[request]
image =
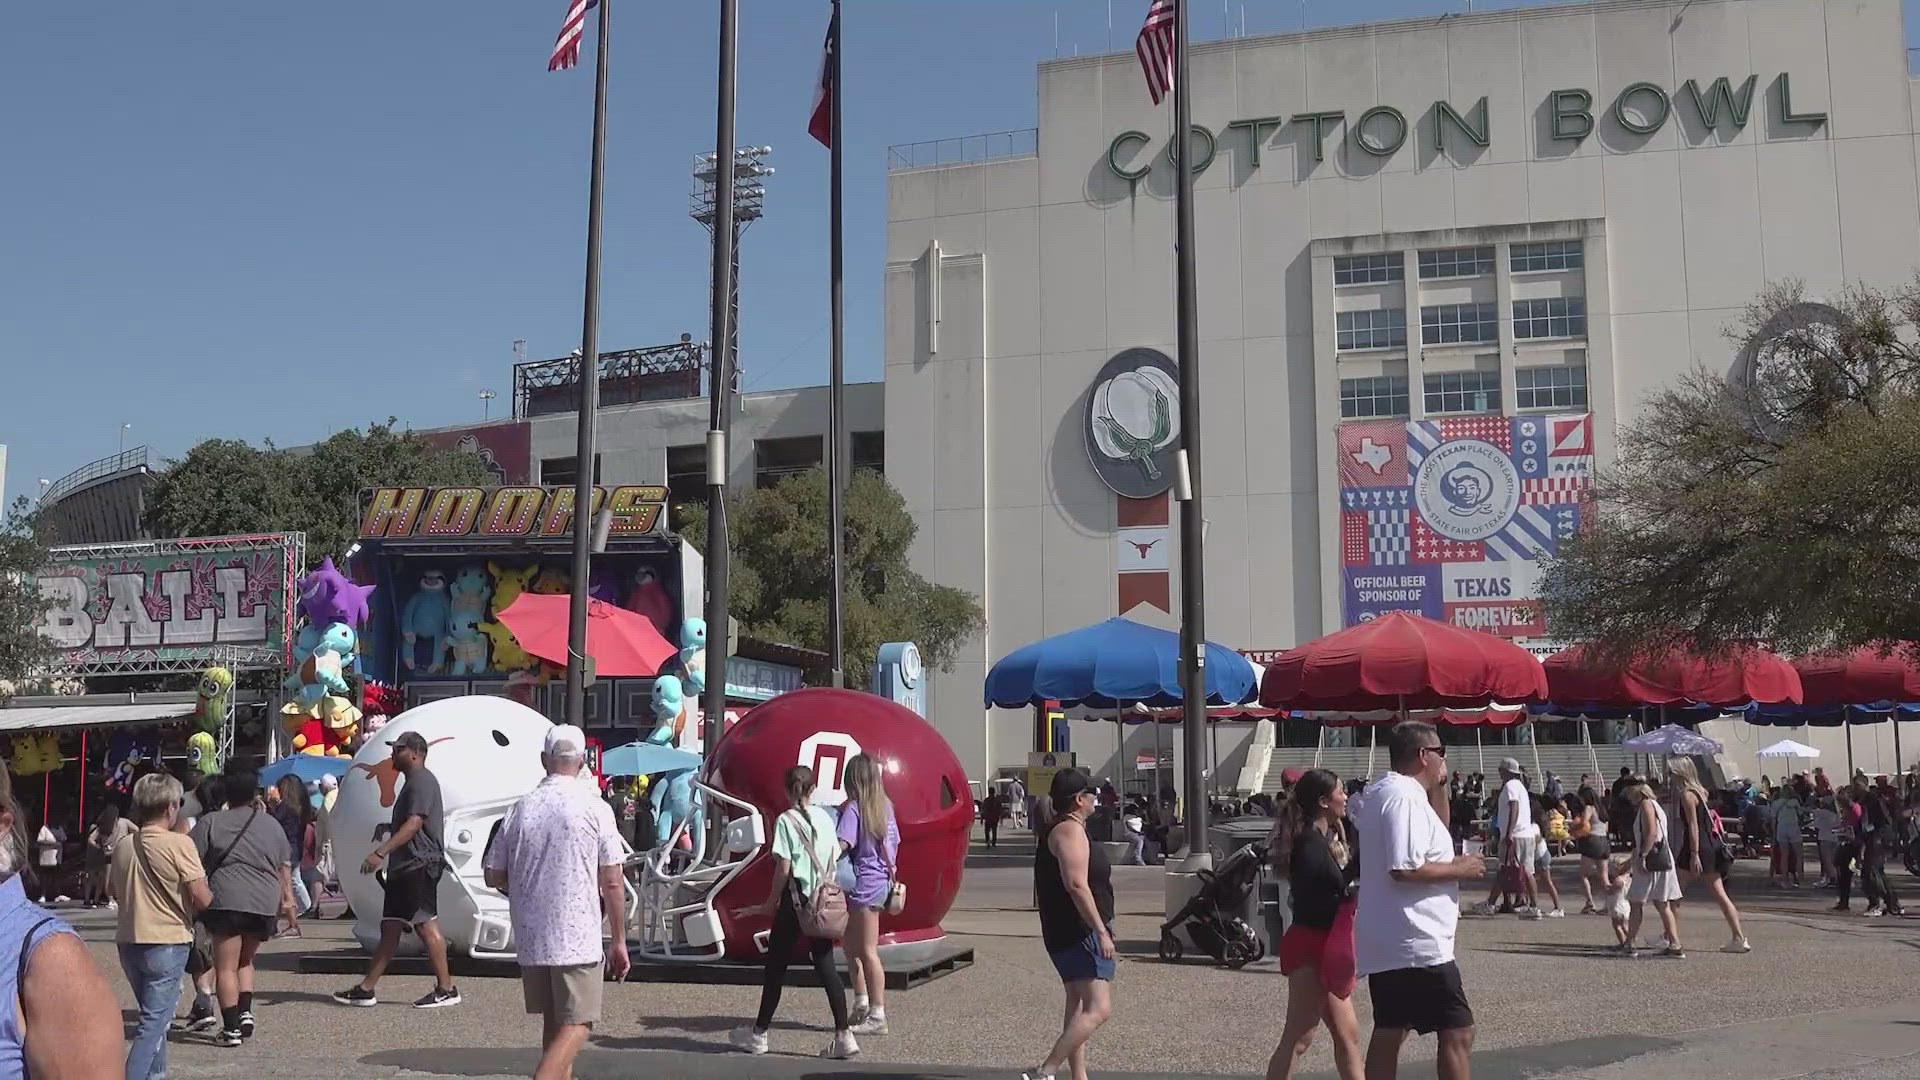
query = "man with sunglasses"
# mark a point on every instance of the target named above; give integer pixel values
(1409, 906)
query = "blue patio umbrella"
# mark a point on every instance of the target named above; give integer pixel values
(307, 768)
(645, 759)
(1113, 663)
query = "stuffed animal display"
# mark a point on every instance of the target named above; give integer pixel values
(215, 684)
(326, 596)
(693, 653)
(467, 600)
(650, 598)
(35, 754)
(202, 754)
(425, 620)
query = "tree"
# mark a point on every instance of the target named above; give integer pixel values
(781, 576)
(1779, 503)
(24, 654)
(225, 486)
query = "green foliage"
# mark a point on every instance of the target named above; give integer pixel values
(225, 486)
(1784, 509)
(23, 652)
(781, 576)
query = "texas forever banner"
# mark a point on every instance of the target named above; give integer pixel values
(1452, 518)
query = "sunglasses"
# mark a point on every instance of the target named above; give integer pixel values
(1440, 750)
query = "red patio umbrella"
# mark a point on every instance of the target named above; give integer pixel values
(623, 644)
(1402, 661)
(1861, 677)
(1737, 678)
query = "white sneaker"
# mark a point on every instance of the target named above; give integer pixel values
(842, 1047)
(1556, 913)
(1873, 911)
(857, 1015)
(1484, 908)
(749, 1041)
(1737, 945)
(871, 1024)
(1532, 913)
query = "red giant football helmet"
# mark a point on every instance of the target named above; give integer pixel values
(823, 728)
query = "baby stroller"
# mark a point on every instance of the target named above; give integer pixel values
(1212, 918)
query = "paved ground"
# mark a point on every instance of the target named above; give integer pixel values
(1822, 995)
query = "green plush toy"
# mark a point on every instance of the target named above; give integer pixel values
(215, 684)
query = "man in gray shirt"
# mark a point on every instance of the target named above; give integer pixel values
(415, 857)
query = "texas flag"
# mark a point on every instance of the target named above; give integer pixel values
(1373, 454)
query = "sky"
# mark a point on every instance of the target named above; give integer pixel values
(248, 220)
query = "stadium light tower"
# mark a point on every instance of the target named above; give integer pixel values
(750, 170)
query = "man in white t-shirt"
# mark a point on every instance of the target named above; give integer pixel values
(1516, 837)
(1410, 904)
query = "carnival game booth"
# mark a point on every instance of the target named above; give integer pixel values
(210, 617)
(445, 562)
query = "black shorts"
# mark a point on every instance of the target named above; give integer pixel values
(412, 895)
(1592, 846)
(224, 923)
(1422, 1000)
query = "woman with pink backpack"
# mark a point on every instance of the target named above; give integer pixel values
(805, 902)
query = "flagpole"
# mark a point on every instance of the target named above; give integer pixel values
(588, 373)
(1187, 466)
(836, 404)
(718, 553)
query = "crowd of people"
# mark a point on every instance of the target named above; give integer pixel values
(199, 879)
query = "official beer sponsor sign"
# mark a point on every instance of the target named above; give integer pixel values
(1133, 422)
(504, 513)
(1452, 518)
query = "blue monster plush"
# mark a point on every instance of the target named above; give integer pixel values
(672, 794)
(428, 615)
(669, 702)
(693, 653)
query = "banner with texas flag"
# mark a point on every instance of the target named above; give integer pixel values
(1451, 518)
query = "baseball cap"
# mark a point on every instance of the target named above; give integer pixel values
(564, 740)
(409, 740)
(1068, 783)
(1510, 765)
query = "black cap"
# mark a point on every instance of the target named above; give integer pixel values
(1067, 783)
(409, 740)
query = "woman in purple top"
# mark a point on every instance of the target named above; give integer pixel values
(871, 839)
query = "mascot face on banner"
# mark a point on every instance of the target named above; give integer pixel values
(485, 751)
(822, 728)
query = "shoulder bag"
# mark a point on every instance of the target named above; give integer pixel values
(823, 913)
(896, 900)
(1659, 857)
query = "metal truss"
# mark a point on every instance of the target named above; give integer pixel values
(659, 373)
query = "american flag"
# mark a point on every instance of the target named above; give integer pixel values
(1155, 46)
(566, 48)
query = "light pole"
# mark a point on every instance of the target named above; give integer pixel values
(486, 404)
(124, 428)
(749, 204)
(726, 198)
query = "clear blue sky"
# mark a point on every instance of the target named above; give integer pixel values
(276, 220)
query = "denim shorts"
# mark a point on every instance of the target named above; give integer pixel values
(1083, 961)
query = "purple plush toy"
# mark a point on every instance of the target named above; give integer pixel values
(604, 585)
(326, 596)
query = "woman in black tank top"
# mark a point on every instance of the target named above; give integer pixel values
(1073, 890)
